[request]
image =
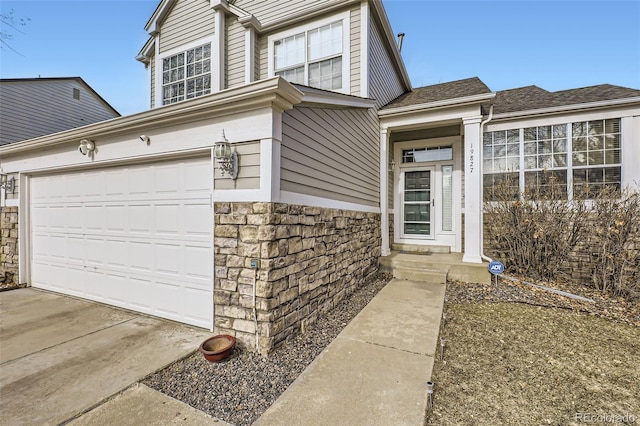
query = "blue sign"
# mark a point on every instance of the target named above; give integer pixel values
(496, 267)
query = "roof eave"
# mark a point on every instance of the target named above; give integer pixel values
(322, 97)
(275, 92)
(567, 108)
(445, 103)
(391, 42)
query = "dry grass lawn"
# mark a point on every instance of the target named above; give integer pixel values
(516, 364)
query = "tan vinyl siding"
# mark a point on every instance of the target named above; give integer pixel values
(248, 168)
(263, 57)
(32, 108)
(384, 83)
(234, 53)
(331, 153)
(355, 50)
(188, 21)
(273, 10)
(153, 81)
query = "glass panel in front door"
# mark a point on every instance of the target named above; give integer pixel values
(417, 202)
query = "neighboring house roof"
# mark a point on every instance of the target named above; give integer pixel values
(32, 107)
(439, 92)
(533, 97)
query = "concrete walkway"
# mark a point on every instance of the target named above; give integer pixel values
(375, 371)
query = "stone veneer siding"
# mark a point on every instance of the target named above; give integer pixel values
(8, 245)
(310, 258)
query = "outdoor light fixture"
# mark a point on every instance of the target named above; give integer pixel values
(86, 147)
(9, 184)
(226, 158)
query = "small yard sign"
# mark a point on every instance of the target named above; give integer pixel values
(496, 267)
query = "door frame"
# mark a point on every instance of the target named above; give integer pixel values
(453, 237)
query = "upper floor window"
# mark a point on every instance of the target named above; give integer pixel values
(186, 75)
(314, 55)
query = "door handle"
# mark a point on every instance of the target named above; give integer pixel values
(433, 202)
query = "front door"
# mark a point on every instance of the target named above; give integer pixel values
(417, 203)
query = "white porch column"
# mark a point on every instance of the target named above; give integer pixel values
(384, 193)
(472, 190)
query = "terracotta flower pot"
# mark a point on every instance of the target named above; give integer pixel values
(217, 348)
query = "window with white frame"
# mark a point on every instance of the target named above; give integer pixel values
(315, 55)
(186, 75)
(579, 158)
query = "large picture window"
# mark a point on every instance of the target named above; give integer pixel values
(186, 75)
(572, 159)
(315, 55)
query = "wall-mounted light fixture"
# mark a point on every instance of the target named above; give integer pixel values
(225, 156)
(86, 147)
(392, 165)
(8, 183)
(146, 139)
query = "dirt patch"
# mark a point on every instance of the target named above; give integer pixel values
(545, 359)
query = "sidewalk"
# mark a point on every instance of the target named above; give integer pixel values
(375, 371)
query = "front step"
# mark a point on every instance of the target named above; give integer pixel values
(420, 275)
(418, 248)
(433, 268)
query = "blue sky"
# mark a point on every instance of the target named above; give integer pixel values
(553, 44)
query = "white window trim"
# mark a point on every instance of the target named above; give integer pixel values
(346, 45)
(183, 48)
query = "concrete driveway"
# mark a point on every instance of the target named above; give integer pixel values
(60, 356)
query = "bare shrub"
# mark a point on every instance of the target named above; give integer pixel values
(614, 242)
(540, 234)
(535, 232)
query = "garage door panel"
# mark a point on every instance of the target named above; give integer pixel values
(138, 237)
(168, 220)
(196, 262)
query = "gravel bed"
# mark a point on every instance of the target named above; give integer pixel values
(239, 389)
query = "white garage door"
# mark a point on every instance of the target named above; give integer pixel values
(137, 237)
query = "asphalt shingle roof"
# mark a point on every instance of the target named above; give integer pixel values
(512, 100)
(533, 97)
(439, 92)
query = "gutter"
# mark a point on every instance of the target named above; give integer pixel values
(567, 108)
(445, 103)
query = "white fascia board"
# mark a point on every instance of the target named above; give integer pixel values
(275, 92)
(567, 108)
(323, 97)
(147, 51)
(153, 25)
(446, 103)
(391, 41)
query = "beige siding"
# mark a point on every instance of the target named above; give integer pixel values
(331, 154)
(355, 50)
(384, 83)
(248, 168)
(153, 81)
(32, 108)
(273, 10)
(234, 53)
(188, 21)
(263, 57)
